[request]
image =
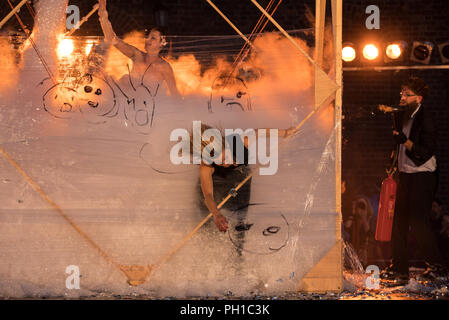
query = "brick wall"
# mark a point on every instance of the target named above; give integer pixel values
(369, 143)
(368, 136)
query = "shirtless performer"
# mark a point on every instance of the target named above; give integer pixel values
(143, 62)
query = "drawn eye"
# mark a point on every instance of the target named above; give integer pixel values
(240, 94)
(88, 89)
(271, 230)
(243, 227)
(98, 92)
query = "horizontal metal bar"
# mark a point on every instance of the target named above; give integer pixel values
(441, 67)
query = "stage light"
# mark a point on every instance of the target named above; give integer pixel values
(348, 53)
(393, 51)
(65, 48)
(370, 52)
(421, 52)
(444, 52)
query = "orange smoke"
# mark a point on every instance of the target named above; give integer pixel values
(285, 68)
(9, 70)
(188, 75)
(187, 72)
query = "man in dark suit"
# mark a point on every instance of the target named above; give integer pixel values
(417, 179)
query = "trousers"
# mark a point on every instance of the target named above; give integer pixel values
(414, 197)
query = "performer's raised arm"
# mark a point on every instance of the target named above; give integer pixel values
(110, 36)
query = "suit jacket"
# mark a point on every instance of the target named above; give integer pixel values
(423, 134)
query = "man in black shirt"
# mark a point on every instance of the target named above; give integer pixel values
(417, 179)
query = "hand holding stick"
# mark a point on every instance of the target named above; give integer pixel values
(221, 222)
(102, 7)
(106, 26)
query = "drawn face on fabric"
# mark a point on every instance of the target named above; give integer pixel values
(61, 102)
(96, 98)
(261, 230)
(140, 110)
(229, 94)
(141, 107)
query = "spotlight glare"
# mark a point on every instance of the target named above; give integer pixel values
(393, 51)
(348, 54)
(370, 52)
(65, 48)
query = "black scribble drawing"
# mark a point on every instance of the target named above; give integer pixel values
(92, 97)
(257, 235)
(230, 94)
(140, 103)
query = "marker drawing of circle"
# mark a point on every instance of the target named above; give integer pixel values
(157, 157)
(60, 101)
(261, 232)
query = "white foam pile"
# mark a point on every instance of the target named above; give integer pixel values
(107, 170)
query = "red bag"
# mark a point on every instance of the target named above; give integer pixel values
(385, 213)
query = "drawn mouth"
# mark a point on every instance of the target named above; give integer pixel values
(67, 107)
(231, 104)
(92, 104)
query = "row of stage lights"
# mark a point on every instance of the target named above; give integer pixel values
(396, 51)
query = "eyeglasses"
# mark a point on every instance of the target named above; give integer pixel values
(406, 94)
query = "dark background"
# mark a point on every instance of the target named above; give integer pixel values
(367, 141)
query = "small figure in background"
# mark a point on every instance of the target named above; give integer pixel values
(359, 226)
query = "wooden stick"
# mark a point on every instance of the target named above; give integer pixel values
(55, 206)
(82, 21)
(13, 11)
(283, 31)
(244, 51)
(230, 23)
(250, 36)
